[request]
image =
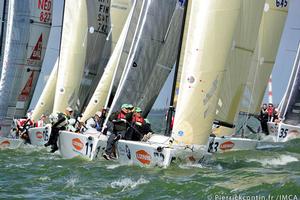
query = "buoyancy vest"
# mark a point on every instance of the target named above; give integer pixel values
(23, 122)
(121, 115)
(138, 120)
(118, 124)
(62, 121)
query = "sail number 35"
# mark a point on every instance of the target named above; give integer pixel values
(283, 132)
(281, 3)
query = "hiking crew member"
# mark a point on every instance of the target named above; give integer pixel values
(22, 129)
(263, 117)
(95, 122)
(59, 125)
(135, 131)
(270, 110)
(118, 125)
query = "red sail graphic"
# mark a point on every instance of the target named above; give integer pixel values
(27, 88)
(37, 51)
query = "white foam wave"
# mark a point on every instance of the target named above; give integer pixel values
(113, 166)
(44, 178)
(128, 183)
(281, 160)
(71, 182)
(190, 165)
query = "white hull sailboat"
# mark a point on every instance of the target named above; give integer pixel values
(189, 137)
(289, 127)
(138, 10)
(263, 59)
(27, 31)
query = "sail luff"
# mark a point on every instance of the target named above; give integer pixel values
(203, 68)
(45, 102)
(17, 36)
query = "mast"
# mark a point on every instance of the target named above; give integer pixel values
(2, 28)
(171, 109)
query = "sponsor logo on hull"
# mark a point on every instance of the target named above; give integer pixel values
(227, 145)
(5, 143)
(39, 135)
(143, 157)
(77, 144)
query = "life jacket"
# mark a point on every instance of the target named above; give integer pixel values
(22, 122)
(120, 125)
(64, 122)
(139, 120)
(270, 111)
(121, 115)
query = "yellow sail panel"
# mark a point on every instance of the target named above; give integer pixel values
(45, 102)
(72, 55)
(210, 32)
(119, 12)
(99, 97)
(263, 61)
(239, 61)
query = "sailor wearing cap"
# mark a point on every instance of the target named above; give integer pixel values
(118, 125)
(59, 124)
(95, 122)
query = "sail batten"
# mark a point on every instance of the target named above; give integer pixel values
(238, 63)
(270, 32)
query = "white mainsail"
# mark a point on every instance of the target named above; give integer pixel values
(239, 61)
(27, 31)
(50, 60)
(290, 106)
(144, 52)
(99, 97)
(40, 20)
(85, 28)
(45, 102)
(203, 68)
(271, 28)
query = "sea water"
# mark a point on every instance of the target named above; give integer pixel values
(33, 173)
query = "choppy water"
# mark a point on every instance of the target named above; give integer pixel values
(33, 173)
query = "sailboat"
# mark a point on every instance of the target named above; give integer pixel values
(149, 43)
(202, 47)
(27, 30)
(263, 59)
(46, 101)
(289, 126)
